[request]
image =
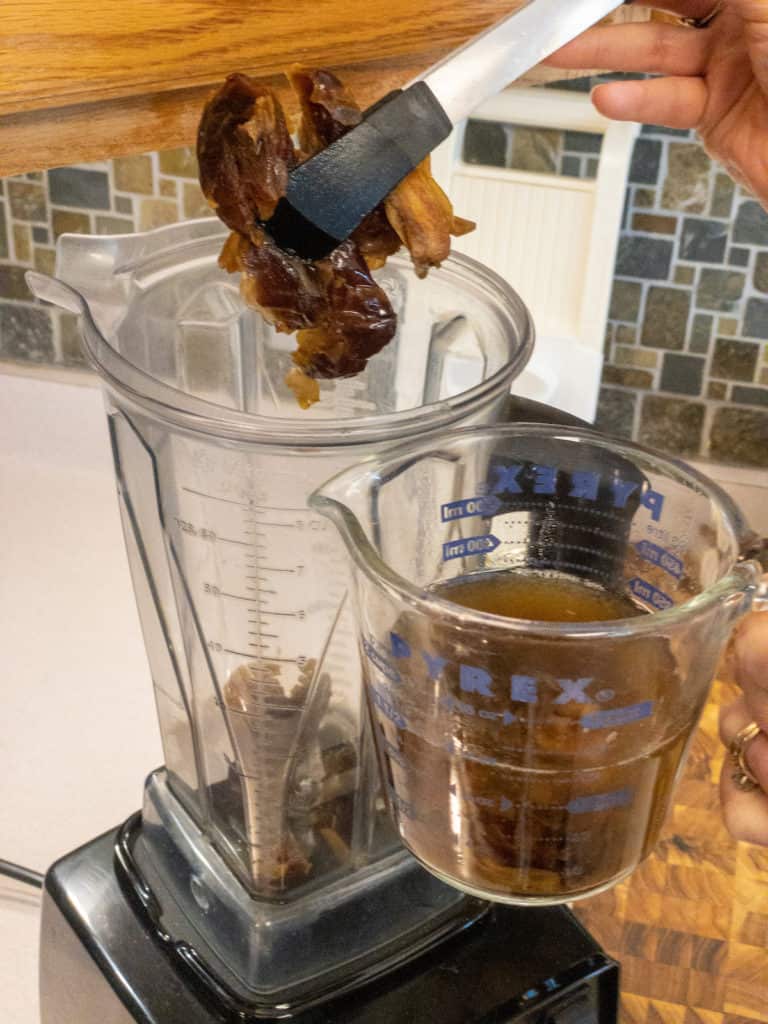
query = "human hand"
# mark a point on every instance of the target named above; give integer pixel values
(746, 811)
(714, 80)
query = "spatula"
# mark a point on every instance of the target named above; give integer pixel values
(329, 194)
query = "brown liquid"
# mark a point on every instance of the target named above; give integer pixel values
(538, 598)
(544, 770)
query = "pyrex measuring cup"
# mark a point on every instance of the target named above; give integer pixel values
(533, 761)
(241, 587)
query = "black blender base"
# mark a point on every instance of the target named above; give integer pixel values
(101, 963)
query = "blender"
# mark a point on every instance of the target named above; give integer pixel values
(262, 878)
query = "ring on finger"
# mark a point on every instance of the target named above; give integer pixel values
(737, 749)
(707, 20)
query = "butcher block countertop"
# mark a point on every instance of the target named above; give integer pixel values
(690, 927)
(84, 80)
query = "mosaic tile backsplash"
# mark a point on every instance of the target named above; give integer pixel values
(686, 348)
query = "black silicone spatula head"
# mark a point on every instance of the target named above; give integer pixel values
(328, 195)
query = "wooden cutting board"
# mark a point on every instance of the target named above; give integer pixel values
(82, 80)
(690, 927)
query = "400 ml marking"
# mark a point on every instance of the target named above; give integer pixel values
(650, 594)
(483, 505)
(481, 545)
(656, 555)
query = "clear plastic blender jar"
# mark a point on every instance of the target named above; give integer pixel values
(267, 833)
(533, 761)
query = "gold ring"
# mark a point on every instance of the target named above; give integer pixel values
(707, 20)
(742, 776)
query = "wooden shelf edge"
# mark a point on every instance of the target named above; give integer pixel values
(140, 124)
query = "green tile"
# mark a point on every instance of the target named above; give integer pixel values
(22, 243)
(536, 149)
(194, 202)
(616, 412)
(123, 204)
(666, 318)
(749, 396)
(485, 143)
(734, 360)
(751, 227)
(646, 256)
(701, 333)
(739, 435)
(570, 167)
(738, 257)
(3, 234)
(644, 197)
(114, 226)
(722, 196)
(44, 259)
(760, 278)
(12, 283)
(79, 186)
(625, 334)
(27, 200)
(133, 174)
(682, 374)
(654, 223)
(633, 355)
(719, 289)
(672, 424)
(625, 300)
(727, 327)
(26, 333)
(582, 142)
(646, 160)
(627, 377)
(684, 275)
(756, 319)
(66, 222)
(181, 163)
(686, 186)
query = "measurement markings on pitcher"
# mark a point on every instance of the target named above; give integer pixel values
(249, 654)
(247, 503)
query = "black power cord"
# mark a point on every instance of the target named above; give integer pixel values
(21, 874)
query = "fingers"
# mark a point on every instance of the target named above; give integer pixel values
(745, 814)
(683, 8)
(751, 656)
(672, 102)
(653, 48)
(734, 718)
(753, 11)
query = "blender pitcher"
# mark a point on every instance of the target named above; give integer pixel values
(532, 759)
(266, 832)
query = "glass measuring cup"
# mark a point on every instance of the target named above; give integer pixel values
(534, 761)
(241, 588)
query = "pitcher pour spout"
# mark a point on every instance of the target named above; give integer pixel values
(346, 499)
(52, 290)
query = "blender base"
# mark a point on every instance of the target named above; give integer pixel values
(101, 963)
